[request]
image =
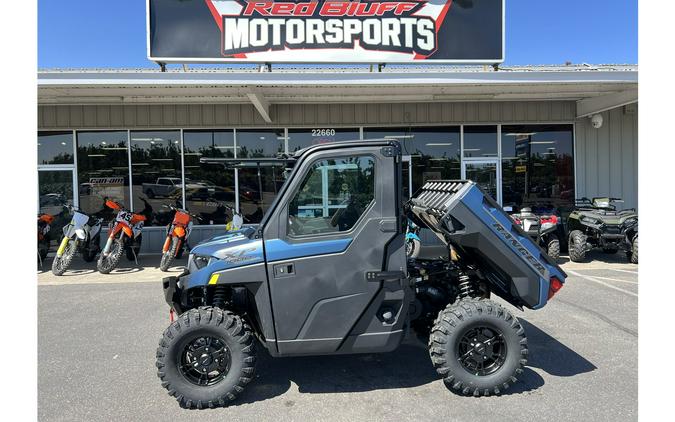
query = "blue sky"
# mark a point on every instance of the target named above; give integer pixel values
(79, 33)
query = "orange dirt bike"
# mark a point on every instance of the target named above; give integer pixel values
(124, 235)
(176, 236)
(44, 225)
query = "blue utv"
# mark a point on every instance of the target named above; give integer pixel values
(326, 272)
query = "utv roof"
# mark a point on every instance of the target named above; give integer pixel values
(345, 144)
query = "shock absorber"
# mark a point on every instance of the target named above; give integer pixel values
(466, 287)
(219, 296)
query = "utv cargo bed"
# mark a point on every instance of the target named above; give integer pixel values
(465, 217)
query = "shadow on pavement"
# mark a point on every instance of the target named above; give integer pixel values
(551, 356)
(408, 366)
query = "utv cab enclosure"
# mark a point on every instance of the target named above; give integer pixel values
(326, 272)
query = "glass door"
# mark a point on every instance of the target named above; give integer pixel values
(486, 174)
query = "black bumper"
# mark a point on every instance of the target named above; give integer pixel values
(173, 293)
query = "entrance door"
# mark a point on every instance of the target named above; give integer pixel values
(486, 174)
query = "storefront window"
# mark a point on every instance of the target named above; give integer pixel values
(480, 142)
(210, 191)
(55, 148)
(102, 170)
(303, 138)
(259, 183)
(434, 151)
(156, 174)
(538, 167)
(55, 189)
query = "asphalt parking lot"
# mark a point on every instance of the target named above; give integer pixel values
(97, 336)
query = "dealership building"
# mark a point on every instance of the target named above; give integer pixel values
(536, 136)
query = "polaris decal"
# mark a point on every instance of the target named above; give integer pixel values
(376, 31)
(520, 248)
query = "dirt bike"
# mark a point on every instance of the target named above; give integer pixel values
(124, 235)
(44, 225)
(83, 233)
(176, 236)
(413, 243)
(546, 229)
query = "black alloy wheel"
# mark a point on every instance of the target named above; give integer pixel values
(205, 360)
(481, 350)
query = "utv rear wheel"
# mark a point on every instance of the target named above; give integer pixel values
(107, 263)
(553, 247)
(478, 347)
(206, 357)
(577, 246)
(633, 255)
(168, 256)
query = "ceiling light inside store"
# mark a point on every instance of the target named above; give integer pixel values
(114, 148)
(224, 147)
(471, 149)
(399, 136)
(521, 134)
(542, 142)
(439, 144)
(96, 155)
(63, 143)
(140, 164)
(102, 143)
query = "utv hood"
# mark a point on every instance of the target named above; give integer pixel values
(229, 251)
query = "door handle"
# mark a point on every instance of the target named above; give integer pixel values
(284, 270)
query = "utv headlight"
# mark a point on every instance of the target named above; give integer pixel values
(201, 261)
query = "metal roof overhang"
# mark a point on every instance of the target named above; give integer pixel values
(593, 90)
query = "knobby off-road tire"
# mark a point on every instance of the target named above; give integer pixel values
(168, 256)
(553, 247)
(61, 263)
(448, 340)
(180, 338)
(105, 264)
(633, 255)
(577, 246)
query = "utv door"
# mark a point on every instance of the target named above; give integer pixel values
(335, 252)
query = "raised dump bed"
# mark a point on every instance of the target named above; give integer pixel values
(463, 216)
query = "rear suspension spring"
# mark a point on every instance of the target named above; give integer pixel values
(466, 287)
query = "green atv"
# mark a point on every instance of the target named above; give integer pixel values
(597, 224)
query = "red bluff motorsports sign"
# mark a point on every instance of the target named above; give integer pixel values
(358, 31)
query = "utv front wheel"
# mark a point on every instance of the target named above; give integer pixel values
(206, 357)
(577, 246)
(478, 347)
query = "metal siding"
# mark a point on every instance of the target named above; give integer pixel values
(133, 116)
(606, 158)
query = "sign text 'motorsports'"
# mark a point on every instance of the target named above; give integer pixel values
(357, 31)
(391, 26)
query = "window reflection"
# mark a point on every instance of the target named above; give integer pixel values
(55, 148)
(434, 151)
(102, 170)
(480, 142)
(259, 183)
(55, 189)
(210, 187)
(156, 175)
(538, 167)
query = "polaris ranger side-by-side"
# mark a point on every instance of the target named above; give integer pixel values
(326, 272)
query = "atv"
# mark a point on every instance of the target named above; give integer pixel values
(546, 229)
(596, 223)
(326, 272)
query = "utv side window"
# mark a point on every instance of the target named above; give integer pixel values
(333, 196)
